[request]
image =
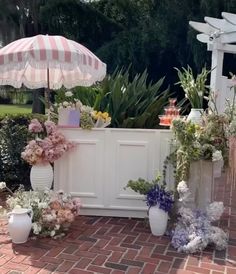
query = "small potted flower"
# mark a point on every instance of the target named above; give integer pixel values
(159, 201)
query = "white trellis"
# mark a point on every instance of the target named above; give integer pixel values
(220, 36)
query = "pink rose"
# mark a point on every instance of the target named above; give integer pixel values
(35, 126)
(50, 127)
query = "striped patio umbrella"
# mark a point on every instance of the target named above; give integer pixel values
(45, 61)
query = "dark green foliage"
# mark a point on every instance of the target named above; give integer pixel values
(132, 103)
(13, 138)
(78, 21)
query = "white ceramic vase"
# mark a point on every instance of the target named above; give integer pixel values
(195, 115)
(20, 224)
(41, 176)
(158, 220)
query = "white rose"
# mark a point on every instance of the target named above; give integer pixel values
(182, 187)
(57, 227)
(2, 185)
(217, 156)
(69, 94)
(65, 104)
(42, 205)
(52, 233)
(36, 228)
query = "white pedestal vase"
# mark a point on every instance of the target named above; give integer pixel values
(158, 220)
(20, 224)
(195, 115)
(41, 176)
(201, 183)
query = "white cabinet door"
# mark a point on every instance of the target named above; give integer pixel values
(80, 172)
(132, 157)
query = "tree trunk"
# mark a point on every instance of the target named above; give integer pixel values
(38, 106)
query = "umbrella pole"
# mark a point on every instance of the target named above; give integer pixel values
(46, 95)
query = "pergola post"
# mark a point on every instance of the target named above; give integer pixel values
(216, 69)
(219, 35)
(217, 58)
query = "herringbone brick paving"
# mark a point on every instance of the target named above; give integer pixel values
(119, 245)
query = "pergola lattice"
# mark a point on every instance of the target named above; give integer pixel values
(220, 36)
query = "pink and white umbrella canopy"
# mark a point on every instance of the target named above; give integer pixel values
(49, 61)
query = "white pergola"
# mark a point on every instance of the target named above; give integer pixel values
(220, 36)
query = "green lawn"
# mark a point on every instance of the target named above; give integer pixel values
(15, 109)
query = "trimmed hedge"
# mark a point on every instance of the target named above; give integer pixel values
(13, 138)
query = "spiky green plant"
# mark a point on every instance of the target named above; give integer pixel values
(132, 103)
(195, 88)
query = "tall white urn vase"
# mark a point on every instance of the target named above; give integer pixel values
(41, 176)
(158, 220)
(195, 115)
(20, 224)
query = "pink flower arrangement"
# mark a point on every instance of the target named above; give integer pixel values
(59, 214)
(47, 149)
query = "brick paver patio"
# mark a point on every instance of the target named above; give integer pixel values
(118, 245)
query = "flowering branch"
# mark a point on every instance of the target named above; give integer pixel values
(4, 186)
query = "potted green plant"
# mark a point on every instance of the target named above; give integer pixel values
(195, 90)
(159, 201)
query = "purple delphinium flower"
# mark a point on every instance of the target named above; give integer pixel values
(159, 196)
